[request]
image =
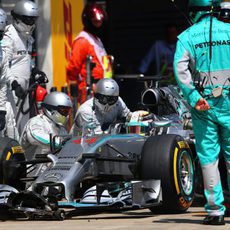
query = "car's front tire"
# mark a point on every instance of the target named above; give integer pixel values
(11, 153)
(169, 158)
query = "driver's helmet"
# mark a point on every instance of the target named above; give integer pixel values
(94, 18)
(57, 106)
(24, 16)
(199, 8)
(3, 22)
(138, 127)
(225, 11)
(106, 94)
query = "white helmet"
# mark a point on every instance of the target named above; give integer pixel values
(57, 106)
(106, 94)
(25, 14)
(3, 22)
(225, 11)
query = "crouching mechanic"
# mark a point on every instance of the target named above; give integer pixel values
(203, 72)
(97, 114)
(35, 138)
(105, 108)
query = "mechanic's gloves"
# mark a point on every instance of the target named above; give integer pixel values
(137, 115)
(38, 76)
(2, 119)
(19, 91)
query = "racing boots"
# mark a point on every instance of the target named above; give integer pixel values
(214, 220)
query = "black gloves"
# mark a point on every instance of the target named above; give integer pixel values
(2, 119)
(19, 91)
(38, 76)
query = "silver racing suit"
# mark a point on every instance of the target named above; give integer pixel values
(90, 117)
(10, 129)
(35, 138)
(18, 49)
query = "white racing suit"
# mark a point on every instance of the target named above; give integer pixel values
(90, 117)
(18, 49)
(35, 139)
(10, 129)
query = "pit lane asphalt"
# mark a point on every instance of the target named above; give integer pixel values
(135, 220)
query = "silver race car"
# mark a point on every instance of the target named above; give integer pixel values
(144, 164)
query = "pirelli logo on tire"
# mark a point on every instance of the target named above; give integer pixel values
(14, 150)
(17, 149)
(182, 162)
(183, 144)
(184, 203)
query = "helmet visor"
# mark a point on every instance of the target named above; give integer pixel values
(64, 110)
(28, 20)
(104, 99)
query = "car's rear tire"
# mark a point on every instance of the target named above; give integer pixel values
(169, 158)
(11, 153)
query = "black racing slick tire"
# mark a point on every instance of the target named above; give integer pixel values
(11, 153)
(169, 158)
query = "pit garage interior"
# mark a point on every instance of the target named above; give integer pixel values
(133, 26)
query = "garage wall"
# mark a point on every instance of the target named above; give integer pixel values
(133, 27)
(135, 24)
(43, 41)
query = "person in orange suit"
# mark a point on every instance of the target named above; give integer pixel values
(88, 42)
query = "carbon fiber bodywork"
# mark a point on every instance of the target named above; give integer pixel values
(111, 162)
(111, 157)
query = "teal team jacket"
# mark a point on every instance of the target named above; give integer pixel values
(192, 58)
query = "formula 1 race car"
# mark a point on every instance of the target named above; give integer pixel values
(148, 163)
